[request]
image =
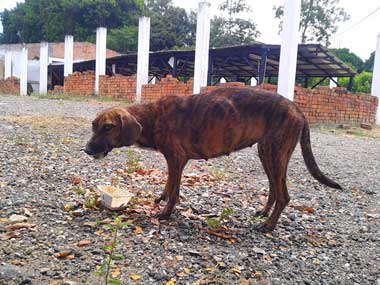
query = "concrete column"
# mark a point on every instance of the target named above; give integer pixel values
(253, 81)
(222, 80)
(24, 72)
(101, 53)
(332, 83)
(289, 49)
(8, 64)
(44, 62)
(142, 56)
(375, 90)
(69, 55)
(202, 47)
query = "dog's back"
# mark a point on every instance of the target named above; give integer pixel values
(225, 120)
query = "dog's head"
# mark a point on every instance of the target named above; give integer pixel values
(112, 128)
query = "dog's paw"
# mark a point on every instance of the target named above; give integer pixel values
(264, 227)
(163, 216)
(261, 213)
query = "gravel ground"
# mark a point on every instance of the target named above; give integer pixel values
(324, 236)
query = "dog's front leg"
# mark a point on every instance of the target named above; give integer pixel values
(176, 165)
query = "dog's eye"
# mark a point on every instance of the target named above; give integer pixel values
(108, 127)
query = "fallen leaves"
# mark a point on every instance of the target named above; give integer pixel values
(134, 277)
(16, 226)
(138, 230)
(84, 242)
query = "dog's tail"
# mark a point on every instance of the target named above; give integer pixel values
(310, 160)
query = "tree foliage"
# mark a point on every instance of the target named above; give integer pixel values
(319, 19)
(229, 29)
(368, 64)
(171, 27)
(354, 61)
(49, 20)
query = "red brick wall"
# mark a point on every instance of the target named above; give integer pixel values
(81, 84)
(118, 86)
(11, 85)
(325, 105)
(165, 87)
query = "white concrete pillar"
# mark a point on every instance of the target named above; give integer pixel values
(142, 56)
(222, 80)
(332, 83)
(44, 62)
(289, 49)
(69, 55)
(101, 53)
(8, 64)
(375, 90)
(253, 81)
(202, 46)
(24, 72)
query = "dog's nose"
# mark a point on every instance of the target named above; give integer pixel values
(89, 150)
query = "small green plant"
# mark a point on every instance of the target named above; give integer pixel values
(216, 223)
(105, 269)
(133, 161)
(78, 190)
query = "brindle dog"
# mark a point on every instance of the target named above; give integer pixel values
(210, 125)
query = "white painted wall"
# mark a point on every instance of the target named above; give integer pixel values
(44, 62)
(69, 55)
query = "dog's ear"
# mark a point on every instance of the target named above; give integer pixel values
(130, 130)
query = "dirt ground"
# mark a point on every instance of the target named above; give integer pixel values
(53, 231)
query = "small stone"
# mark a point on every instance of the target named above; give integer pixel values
(17, 218)
(78, 213)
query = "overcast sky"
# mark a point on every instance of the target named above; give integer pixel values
(360, 39)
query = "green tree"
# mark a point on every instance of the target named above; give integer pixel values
(362, 82)
(354, 61)
(319, 19)
(368, 64)
(229, 29)
(171, 27)
(50, 20)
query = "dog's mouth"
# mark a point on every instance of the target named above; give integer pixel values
(100, 155)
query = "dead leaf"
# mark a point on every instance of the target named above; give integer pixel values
(179, 257)
(138, 230)
(116, 273)
(62, 254)
(186, 270)
(84, 242)
(27, 212)
(134, 277)
(155, 221)
(54, 282)
(244, 281)
(76, 180)
(10, 235)
(219, 233)
(258, 275)
(17, 226)
(171, 282)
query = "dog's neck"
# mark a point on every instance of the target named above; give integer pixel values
(145, 115)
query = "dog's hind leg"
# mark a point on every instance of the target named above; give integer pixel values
(176, 165)
(277, 156)
(272, 194)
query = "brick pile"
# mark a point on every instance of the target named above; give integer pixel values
(81, 84)
(11, 85)
(165, 87)
(118, 86)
